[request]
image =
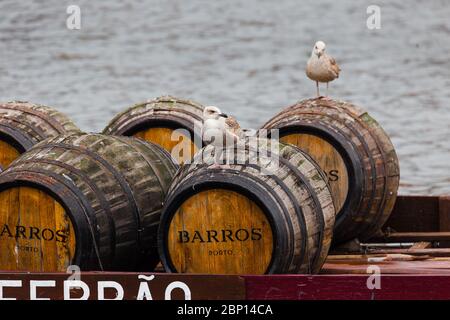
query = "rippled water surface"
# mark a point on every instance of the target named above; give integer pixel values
(247, 57)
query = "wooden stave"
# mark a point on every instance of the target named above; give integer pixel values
(203, 179)
(349, 120)
(91, 203)
(25, 124)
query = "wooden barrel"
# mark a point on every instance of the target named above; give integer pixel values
(355, 153)
(23, 124)
(84, 199)
(157, 120)
(271, 216)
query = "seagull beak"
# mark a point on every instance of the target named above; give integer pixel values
(319, 54)
(224, 115)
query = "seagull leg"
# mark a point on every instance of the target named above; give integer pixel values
(327, 89)
(317, 85)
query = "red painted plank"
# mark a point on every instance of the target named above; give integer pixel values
(425, 267)
(343, 287)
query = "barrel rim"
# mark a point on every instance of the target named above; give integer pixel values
(15, 138)
(115, 124)
(27, 107)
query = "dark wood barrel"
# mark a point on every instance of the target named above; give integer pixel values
(23, 124)
(84, 199)
(157, 120)
(355, 153)
(271, 216)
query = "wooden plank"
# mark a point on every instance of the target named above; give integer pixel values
(444, 213)
(421, 245)
(423, 267)
(433, 252)
(444, 218)
(375, 257)
(414, 214)
(413, 237)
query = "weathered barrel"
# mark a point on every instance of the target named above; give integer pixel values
(84, 199)
(23, 124)
(355, 153)
(275, 215)
(157, 120)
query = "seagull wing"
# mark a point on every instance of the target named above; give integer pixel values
(234, 128)
(232, 124)
(334, 66)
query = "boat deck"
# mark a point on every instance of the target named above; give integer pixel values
(410, 259)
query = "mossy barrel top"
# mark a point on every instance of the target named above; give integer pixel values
(85, 199)
(23, 124)
(170, 122)
(274, 215)
(355, 153)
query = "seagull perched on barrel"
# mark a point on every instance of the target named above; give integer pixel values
(321, 67)
(219, 128)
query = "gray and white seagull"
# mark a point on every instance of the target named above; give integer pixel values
(321, 67)
(219, 128)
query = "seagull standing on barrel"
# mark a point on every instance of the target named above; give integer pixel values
(220, 127)
(321, 67)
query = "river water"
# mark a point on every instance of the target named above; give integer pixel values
(247, 57)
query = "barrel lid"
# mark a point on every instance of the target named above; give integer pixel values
(220, 231)
(35, 231)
